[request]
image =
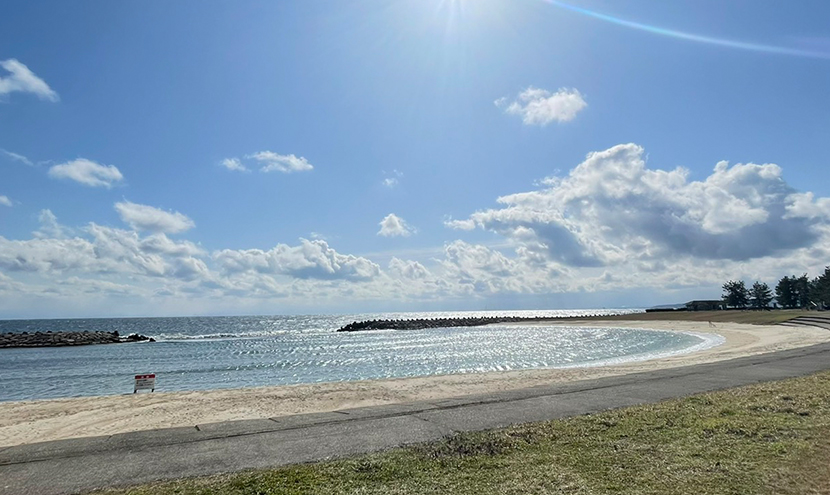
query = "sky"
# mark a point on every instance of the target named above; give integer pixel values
(207, 157)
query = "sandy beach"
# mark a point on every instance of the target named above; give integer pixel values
(43, 420)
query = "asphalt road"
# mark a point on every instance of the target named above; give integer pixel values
(81, 465)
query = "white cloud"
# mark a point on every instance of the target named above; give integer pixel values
(22, 79)
(148, 218)
(5, 201)
(309, 260)
(94, 286)
(234, 164)
(104, 251)
(161, 244)
(271, 161)
(87, 172)
(393, 180)
(609, 225)
(50, 227)
(541, 107)
(393, 225)
(46, 255)
(612, 209)
(17, 157)
(408, 269)
(803, 206)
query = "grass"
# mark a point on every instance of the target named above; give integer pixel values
(772, 438)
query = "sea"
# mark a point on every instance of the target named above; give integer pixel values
(204, 353)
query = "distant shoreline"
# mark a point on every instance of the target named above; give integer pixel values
(754, 317)
(424, 323)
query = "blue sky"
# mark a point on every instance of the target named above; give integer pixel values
(335, 156)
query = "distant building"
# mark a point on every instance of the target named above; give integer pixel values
(705, 305)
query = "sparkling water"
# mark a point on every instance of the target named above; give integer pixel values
(200, 353)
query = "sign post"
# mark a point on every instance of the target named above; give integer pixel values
(144, 382)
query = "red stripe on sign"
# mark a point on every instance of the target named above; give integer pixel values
(139, 377)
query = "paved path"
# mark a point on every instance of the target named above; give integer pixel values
(71, 466)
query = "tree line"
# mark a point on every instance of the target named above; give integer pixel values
(790, 292)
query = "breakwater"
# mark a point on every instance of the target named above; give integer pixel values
(60, 339)
(422, 323)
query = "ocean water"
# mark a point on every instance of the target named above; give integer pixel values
(201, 353)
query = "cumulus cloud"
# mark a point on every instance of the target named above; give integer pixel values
(611, 223)
(541, 107)
(103, 251)
(310, 260)
(271, 162)
(473, 269)
(102, 260)
(234, 164)
(45, 255)
(408, 269)
(23, 80)
(148, 218)
(393, 226)
(161, 244)
(612, 209)
(5, 201)
(50, 227)
(87, 172)
(803, 205)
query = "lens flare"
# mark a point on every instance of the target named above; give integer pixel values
(740, 45)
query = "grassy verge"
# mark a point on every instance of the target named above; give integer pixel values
(772, 438)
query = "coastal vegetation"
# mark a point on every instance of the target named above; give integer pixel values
(768, 438)
(791, 292)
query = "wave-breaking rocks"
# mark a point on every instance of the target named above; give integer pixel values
(422, 323)
(60, 339)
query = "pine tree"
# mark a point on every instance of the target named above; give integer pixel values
(735, 294)
(801, 291)
(784, 292)
(820, 289)
(760, 295)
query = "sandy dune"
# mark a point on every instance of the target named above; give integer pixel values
(37, 421)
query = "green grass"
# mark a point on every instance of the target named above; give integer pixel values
(765, 439)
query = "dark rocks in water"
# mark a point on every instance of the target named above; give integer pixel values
(422, 323)
(59, 339)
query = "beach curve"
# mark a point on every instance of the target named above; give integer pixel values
(56, 419)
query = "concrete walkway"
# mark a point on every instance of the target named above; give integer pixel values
(71, 466)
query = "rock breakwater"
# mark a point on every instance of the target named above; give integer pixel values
(60, 339)
(422, 323)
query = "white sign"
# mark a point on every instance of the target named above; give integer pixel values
(144, 382)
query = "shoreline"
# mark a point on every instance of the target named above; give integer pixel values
(56, 419)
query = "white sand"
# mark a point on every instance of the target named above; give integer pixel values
(42, 420)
